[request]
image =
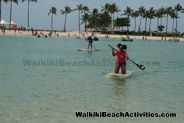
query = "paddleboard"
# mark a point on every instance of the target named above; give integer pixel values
(112, 74)
(86, 50)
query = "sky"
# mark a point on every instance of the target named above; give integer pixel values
(39, 18)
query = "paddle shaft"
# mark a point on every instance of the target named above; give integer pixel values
(139, 66)
(115, 49)
(95, 48)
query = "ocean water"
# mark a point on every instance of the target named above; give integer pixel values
(46, 80)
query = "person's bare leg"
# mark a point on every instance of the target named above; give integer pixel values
(116, 68)
(91, 46)
(123, 68)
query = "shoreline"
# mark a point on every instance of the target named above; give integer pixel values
(76, 34)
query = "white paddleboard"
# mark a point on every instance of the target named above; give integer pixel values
(86, 50)
(112, 74)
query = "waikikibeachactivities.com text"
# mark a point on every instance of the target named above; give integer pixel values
(84, 62)
(124, 114)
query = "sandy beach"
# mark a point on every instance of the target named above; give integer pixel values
(76, 33)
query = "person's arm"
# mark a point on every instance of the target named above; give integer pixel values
(113, 53)
(127, 57)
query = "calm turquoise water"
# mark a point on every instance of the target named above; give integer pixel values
(68, 81)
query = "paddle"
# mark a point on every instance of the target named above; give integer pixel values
(95, 48)
(139, 66)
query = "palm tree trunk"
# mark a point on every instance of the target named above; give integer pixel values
(0, 11)
(128, 26)
(166, 24)
(145, 24)
(135, 25)
(176, 22)
(10, 13)
(85, 25)
(173, 26)
(95, 24)
(28, 14)
(65, 23)
(140, 25)
(52, 22)
(157, 25)
(150, 26)
(161, 21)
(79, 21)
(112, 23)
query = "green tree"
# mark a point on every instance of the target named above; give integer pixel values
(135, 14)
(85, 18)
(80, 8)
(94, 16)
(162, 12)
(173, 17)
(104, 20)
(28, 1)
(105, 9)
(161, 28)
(151, 14)
(141, 13)
(66, 10)
(167, 12)
(110, 9)
(52, 11)
(146, 19)
(158, 16)
(177, 9)
(121, 22)
(128, 11)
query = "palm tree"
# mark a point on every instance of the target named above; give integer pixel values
(66, 10)
(146, 19)
(135, 14)
(151, 14)
(0, 10)
(52, 11)
(28, 1)
(141, 13)
(85, 18)
(106, 8)
(1, 6)
(112, 9)
(173, 16)
(159, 15)
(11, 1)
(128, 12)
(86, 9)
(162, 13)
(168, 11)
(94, 16)
(80, 7)
(177, 9)
(104, 20)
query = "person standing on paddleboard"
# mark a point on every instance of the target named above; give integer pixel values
(122, 56)
(90, 39)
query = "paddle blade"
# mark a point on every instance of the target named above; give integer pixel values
(141, 67)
